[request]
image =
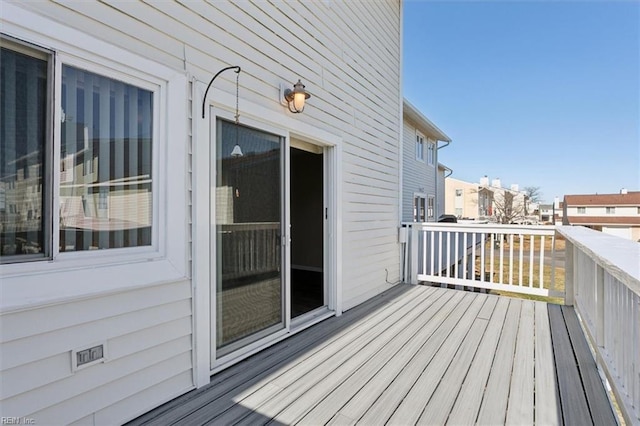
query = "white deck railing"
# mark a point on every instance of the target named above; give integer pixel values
(515, 258)
(601, 278)
(603, 283)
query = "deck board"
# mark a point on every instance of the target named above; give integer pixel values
(575, 409)
(599, 405)
(494, 403)
(547, 404)
(411, 407)
(520, 406)
(416, 355)
(392, 396)
(467, 404)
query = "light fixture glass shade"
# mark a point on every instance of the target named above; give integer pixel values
(298, 101)
(237, 151)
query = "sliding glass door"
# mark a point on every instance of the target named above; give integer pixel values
(248, 221)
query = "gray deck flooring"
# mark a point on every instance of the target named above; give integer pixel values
(415, 355)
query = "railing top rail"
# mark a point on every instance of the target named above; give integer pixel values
(618, 256)
(483, 227)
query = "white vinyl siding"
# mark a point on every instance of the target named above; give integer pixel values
(416, 176)
(148, 341)
(348, 56)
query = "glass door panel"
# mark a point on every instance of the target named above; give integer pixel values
(248, 200)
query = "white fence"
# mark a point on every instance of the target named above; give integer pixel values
(514, 258)
(603, 283)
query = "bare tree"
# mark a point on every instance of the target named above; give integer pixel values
(506, 208)
(534, 193)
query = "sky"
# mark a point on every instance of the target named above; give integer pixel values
(537, 93)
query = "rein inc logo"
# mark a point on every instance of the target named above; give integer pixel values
(5, 420)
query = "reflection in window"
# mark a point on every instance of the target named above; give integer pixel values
(105, 163)
(24, 101)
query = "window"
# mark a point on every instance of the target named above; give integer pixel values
(582, 210)
(431, 153)
(611, 210)
(419, 147)
(458, 192)
(430, 208)
(458, 212)
(107, 124)
(25, 119)
(104, 196)
(419, 208)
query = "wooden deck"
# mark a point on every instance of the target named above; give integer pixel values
(415, 355)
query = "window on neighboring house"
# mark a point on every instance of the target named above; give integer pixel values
(430, 207)
(638, 210)
(431, 153)
(419, 147)
(611, 210)
(105, 158)
(458, 212)
(458, 192)
(582, 210)
(419, 208)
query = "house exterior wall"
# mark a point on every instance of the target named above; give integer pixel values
(145, 311)
(418, 177)
(463, 205)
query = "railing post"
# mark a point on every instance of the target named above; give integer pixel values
(569, 274)
(413, 275)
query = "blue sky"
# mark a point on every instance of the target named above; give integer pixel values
(538, 93)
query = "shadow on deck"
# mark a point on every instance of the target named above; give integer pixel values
(414, 355)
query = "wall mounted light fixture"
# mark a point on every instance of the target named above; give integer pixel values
(295, 98)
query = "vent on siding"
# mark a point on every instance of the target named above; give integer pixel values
(87, 356)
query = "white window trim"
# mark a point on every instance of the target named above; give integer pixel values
(431, 152)
(416, 214)
(78, 275)
(422, 140)
(431, 216)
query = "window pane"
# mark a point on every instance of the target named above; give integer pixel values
(105, 163)
(23, 135)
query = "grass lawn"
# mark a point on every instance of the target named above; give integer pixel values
(526, 273)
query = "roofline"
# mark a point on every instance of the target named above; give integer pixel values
(412, 112)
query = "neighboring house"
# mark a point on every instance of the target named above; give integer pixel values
(420, 167)
(558, 211)
(147, 239)
(545, 213)
(615, 214)
(484, 200)
(462, 199)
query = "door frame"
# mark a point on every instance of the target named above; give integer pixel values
(278, 122)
